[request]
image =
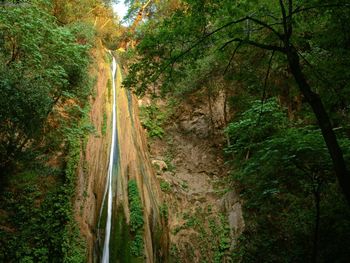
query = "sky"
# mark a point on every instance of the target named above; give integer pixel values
(120, 9)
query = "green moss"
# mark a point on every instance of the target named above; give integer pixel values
(104, 123)
(120, 238)
(160, 241)
(136, 219)
(109, 90)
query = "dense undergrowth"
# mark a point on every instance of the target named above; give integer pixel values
(291, 198)
(38, 209)
(47, 77)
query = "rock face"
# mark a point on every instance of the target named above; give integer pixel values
(200, 206)
(133, 164)
(94, 161)
(231, 206)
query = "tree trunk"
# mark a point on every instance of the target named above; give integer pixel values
(324, 122)
(317, 196)
(225, 106)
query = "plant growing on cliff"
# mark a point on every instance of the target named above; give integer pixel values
(164, 212)
(152, 119)
(44, 218)
(136, 219)
(165, 186)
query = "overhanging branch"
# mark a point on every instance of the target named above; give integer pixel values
(259, 22)
(233, 55)
(255, 44)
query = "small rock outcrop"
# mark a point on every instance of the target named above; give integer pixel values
(159, 165)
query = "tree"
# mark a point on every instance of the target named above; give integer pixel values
(267, 26)
(41, 65)
(285, 176)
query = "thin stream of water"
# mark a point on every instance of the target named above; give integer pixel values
(108, 190)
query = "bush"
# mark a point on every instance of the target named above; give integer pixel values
(152, 119)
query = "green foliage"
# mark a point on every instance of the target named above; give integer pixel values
(41, 65)
(212, 237)
(164, 212)
(280, 166)
(152, 119)
(104, 124)
(191, 222)
(137, 245)
(256, 124)
(43, 215)
(126, 57)
(43, 118)
(222, 231)
(109, 90)
(184, 185)
(136, 219)
(165, 187)
(83, 32)
(279, 161)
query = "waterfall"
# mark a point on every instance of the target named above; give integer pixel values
(108, 190)
(116, 241)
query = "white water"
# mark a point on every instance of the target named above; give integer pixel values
(108, 190)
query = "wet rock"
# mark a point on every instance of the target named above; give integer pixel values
(235, 219)
(230, 204)
(228, 201)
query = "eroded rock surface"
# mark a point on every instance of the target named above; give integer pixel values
(202, 208)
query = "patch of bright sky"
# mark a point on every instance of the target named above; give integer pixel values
(120, 9)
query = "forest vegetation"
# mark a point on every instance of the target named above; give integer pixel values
(282, 66)
(47, 75)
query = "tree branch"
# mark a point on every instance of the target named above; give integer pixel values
(221, 28)
(266, 26)
(290, 7)
(284, 18)
(255, 44)
(299, 9)
(265, 85)
(321, 76)
(289, 18)
(231, 59)
(267, 76)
